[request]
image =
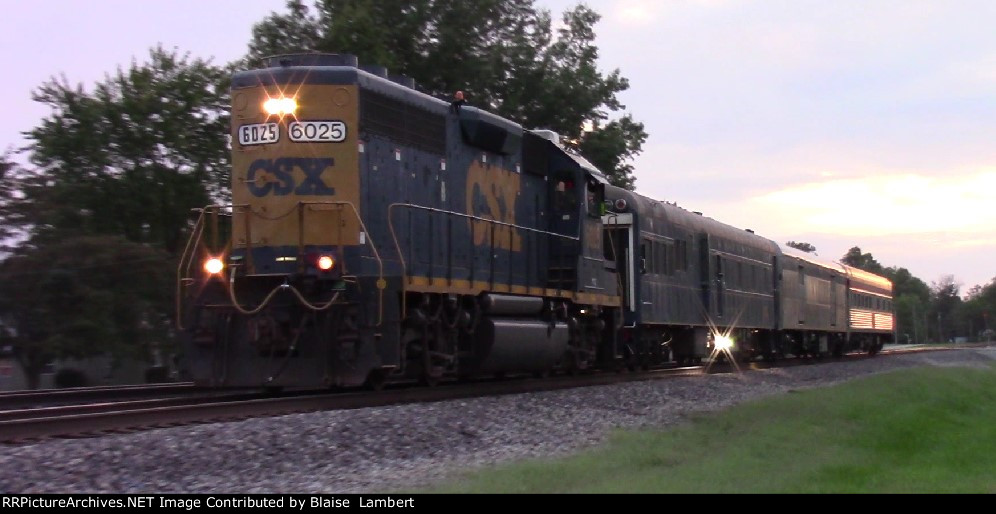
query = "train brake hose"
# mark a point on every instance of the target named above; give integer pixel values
(269, 297)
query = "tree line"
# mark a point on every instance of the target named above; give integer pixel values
(92, 226)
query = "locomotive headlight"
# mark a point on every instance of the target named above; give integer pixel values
(214, 265)
(325, 263)
(722, 342)
(280, 106)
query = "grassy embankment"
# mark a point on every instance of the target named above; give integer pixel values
(912, 431)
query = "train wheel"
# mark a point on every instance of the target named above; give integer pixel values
(576, 361)
(665, 357)
(838, 349)
(618, 365)
(430, 379)
(630, 365)
(431, 374)
(376, 380)
(422, 338)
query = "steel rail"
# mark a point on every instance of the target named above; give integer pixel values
(135, 416)
(17, 399)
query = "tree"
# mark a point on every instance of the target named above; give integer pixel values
(976, 312)
(297, 31)
(945, 301)
(502, 53)
(611, 147)
(911, 317)
(911, 298)
(904, 283)
(106, 207)
(82, 297)
(801, 246)
(864, 261)
(132, 157)
(11, 177)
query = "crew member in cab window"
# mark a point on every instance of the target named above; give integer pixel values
(564, 199)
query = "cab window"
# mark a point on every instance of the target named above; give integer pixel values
(595, 198)
(565, 195)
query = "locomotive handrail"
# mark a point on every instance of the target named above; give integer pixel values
(187, 260)
(478, 218)
(214, 233)
(369, 241)
(187, 257)
(491, 222)
(187, 252)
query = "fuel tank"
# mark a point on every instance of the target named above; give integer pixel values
(509, 344)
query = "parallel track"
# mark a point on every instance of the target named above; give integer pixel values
(75, 395)
(27, 425)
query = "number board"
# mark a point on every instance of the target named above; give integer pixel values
(317, 131)
(259, 134)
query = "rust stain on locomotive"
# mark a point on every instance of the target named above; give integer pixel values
(492, 193)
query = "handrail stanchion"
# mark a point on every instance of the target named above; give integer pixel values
(449, 250)
(214, 229)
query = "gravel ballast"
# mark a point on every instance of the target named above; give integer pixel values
(392, 448)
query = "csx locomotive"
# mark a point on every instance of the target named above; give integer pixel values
(377, 233)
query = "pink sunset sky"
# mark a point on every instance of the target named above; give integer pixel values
(845, 123)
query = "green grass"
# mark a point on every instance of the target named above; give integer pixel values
(913, 431)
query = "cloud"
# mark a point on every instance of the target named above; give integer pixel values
(967, 77)
(648, 12)
(891, 204)
(635, 12)
(839, 123)
(932, 225)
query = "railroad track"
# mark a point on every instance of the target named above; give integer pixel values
(75, 395)
(94, 419)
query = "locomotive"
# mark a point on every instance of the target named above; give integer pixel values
(379, 234)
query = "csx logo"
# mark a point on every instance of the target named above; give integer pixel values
(276, 176)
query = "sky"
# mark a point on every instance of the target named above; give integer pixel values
(867, 123)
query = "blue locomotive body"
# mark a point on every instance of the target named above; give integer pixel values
(377, 233)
